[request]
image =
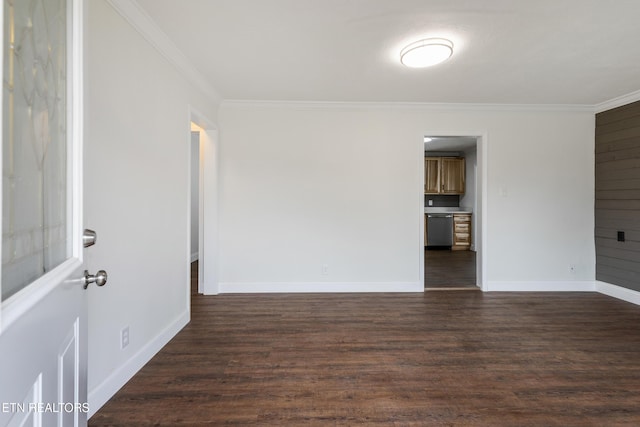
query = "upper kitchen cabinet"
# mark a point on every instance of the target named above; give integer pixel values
(431, 175)
(444, 175)
(452, 175)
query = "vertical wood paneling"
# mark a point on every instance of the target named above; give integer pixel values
(617, 204)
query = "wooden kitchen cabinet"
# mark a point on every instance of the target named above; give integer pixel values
(431, 175)
(452, 175)
(444, 175)
(461, 232)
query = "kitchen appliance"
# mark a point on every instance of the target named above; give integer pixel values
(439, 229)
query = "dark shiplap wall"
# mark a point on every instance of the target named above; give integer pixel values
(617, 206)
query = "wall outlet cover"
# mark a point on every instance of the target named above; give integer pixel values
(124, 338)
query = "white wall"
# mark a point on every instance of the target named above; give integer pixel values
(304, 185)
(468, 200)
(136, 197)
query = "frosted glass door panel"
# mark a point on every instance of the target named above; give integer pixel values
(35, 209)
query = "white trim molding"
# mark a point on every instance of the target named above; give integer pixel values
(411, 106)
(101, 394)
(541, 286)
(140, 20)
(617, 102)
(318, 287)
(618, 292)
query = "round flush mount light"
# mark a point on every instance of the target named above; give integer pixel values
(426, 52)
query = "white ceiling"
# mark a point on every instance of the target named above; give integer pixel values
(506, 51)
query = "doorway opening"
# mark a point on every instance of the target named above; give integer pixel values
(452, 195)
(195, 175)
(202, 206)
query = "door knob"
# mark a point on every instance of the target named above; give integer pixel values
(99, 279)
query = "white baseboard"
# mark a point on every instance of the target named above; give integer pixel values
(105, 391)
(194, 256)
(551, 286)
(318, 287)
(619, 292)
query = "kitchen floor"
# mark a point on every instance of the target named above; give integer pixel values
(446, 269)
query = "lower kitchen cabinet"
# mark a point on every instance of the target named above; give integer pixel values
(461, 232)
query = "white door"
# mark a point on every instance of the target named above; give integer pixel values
(43, 329)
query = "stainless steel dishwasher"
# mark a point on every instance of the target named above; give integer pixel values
(439, 229)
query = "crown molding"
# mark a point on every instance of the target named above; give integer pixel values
(417, 106)
(135, 15)
(617, 102)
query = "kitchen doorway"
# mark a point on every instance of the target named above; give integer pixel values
(452, 195)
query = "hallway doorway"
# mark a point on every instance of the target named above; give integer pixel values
(195, 202)
(202, 221)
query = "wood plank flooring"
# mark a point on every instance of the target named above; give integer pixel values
(449, 269)
(427, 359)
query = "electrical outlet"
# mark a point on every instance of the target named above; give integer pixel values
(124, 338)
(325, 269)
(430, 202)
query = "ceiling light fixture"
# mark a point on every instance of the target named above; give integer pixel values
(426, 52)
(427, 139)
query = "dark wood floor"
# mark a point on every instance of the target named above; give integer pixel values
(424, 359)
(446, 269)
